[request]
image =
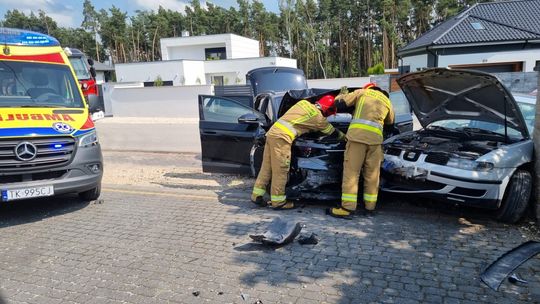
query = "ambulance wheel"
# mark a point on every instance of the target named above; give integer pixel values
(91, 195)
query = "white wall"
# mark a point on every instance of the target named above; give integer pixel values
(336, 83)
(528, 57)
(240, 67)
(192, 47)
(193, 71)
(155, 101)
(148, 71)
(241, 47)
(190, 52)
(417, 61)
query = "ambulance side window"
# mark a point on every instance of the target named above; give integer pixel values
(223, 110)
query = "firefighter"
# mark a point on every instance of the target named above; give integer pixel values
(363, 153)
(301, 118)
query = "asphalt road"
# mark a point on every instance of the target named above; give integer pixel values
(177, 235)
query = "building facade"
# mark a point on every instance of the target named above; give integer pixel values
(212, 59)
(492, 37)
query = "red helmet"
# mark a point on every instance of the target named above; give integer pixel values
(327, 105)
(369, 85)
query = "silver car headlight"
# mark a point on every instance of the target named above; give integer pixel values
(88, 140)
(467, 164)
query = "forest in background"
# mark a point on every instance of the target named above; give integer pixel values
(329, 38)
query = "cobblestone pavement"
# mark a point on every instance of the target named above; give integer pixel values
(147, 244)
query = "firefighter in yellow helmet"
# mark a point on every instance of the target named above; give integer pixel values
(301, 118)
(363, 152)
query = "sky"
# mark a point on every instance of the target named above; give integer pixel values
(68, 13)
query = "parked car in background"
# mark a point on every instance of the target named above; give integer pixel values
(475, 145)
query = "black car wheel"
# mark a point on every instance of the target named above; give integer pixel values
(90, 195)
(516, 198)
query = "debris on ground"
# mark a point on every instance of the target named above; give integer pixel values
(514, 279)
(495, 274)
(220, 293)
(244, 296)
(258, 302)
(279, 232)
(308, 240)
(196, 293)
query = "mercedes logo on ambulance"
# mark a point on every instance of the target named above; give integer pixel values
(26, 151)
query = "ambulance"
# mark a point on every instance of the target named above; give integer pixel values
(48, 142)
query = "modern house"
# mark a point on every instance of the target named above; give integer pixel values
(211, 59)
(502, 36)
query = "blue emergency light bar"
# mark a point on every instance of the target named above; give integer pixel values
(10, 36)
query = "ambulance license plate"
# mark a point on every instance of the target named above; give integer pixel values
(16, 194)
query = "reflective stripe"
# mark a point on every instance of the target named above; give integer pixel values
(358, 109)
(286, 127)
(379, 96)
(347, 197)
(308, 107)
(370, 197)
(259, 191)
(329, 129)
(278, 198)
(367, 128)
(367, 122)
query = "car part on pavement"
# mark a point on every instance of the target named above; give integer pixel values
(508, 262)
(308, 240)
(514, 278)
(279, 232)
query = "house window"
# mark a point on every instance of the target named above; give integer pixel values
(478, 26)
(215, 53)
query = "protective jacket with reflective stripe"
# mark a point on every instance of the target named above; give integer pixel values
(372, 111)
(301, 118)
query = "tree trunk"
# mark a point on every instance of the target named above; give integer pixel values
(536, 140)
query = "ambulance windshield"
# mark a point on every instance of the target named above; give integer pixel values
(30, 84)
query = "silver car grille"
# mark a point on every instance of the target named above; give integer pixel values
(51, 152)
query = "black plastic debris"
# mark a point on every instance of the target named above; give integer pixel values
(196, 293)
(514, 279)
(279, 232)
(244, 296)
(495, 274)
(258, 302)
(308, 240)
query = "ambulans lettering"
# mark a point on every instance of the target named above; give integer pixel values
(21, 117)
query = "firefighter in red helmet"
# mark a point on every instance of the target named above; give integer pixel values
(363, 152)
(301, 118)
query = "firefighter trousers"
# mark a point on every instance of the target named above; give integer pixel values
(365, 159)
(275, 168)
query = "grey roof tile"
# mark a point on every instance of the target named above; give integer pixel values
(502, 21)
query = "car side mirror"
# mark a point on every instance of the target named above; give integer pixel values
(93, 72)
(90, 62)
(249, 118)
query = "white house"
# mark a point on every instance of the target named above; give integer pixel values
(212, 59)
(502, 36)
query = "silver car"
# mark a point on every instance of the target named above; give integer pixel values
(474, 147)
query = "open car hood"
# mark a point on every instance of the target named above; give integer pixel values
(441, 94)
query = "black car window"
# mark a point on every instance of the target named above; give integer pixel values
(224, 110)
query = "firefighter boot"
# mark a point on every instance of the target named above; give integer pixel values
(283, 205)
(340, 213)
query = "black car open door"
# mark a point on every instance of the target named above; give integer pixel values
(227, 130)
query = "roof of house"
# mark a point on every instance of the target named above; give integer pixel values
(490, 22)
